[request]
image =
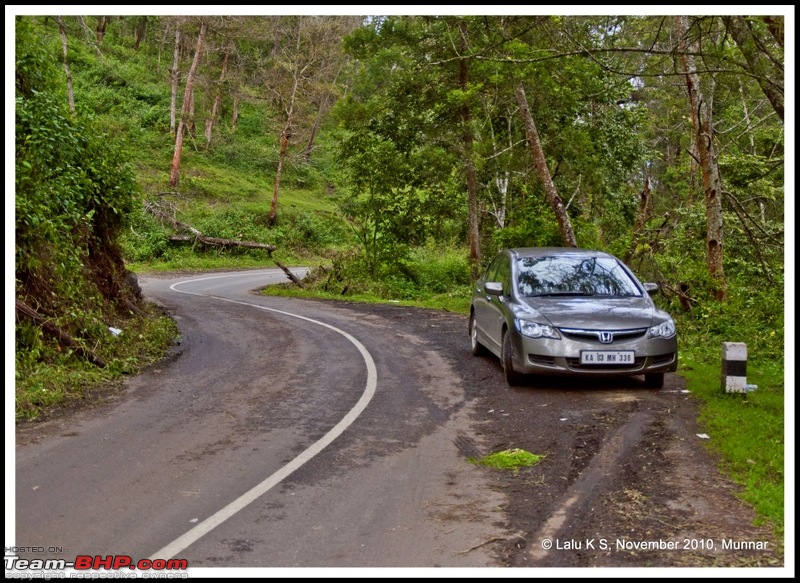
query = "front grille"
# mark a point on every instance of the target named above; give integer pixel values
(593, 336)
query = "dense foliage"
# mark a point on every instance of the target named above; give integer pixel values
(74, 195)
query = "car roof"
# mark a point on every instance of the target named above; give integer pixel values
(556, 252)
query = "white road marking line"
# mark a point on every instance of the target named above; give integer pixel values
(207, 525)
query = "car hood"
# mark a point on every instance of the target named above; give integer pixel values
(594, 313)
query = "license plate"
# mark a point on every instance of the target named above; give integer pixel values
(610, 357)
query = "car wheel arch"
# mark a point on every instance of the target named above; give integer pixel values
(478, 349)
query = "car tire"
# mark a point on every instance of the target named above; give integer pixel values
(654, 380)
(478, 349)
(513, 378)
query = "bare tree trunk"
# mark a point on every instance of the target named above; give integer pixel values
(286, 135)
(174, 77)
(313, 137)
(70, 94)
(217, 100)
(499, 212)
(540, 163)
(469, 164)
(102, 23)
(235, 110)
(702, 122)
(190, 127)
(175, 169)
(140, 32)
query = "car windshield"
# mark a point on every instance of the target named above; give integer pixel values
(573, 275)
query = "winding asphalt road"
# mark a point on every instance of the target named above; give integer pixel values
(283, 434)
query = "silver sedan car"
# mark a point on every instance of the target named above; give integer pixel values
(568, 311)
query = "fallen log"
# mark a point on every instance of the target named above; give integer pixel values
(218, 242)
(61, 337)
(197, 236)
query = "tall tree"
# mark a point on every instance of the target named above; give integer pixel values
(701, 103)
(469, 163)
(174, 79)
(175, 168)
(294, 64)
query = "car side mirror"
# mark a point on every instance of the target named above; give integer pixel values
(494, 288)
(651, 288)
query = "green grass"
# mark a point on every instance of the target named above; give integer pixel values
(457, 302)
(68, 379)
(509, 459)
(746, 431)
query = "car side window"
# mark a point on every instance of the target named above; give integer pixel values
(491, 271)
(503, 275)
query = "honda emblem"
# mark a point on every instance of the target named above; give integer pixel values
(606, 337)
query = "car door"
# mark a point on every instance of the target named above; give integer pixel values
(481, 302)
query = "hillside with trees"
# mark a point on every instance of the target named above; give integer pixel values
(395, 155)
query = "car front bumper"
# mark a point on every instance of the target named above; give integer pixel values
(547, 356)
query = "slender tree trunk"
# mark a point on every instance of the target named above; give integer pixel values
(469, 163)
(190, 127)
(235, 110)
(540, 163)
(313, 137)
(501, 181)
(175, 169)
(70, 94)
(286, 136)
(217, 100)
(702, 122)
(174, 78)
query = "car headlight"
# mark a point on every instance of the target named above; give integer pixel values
(536, 330)
(663, 330)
